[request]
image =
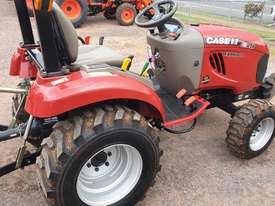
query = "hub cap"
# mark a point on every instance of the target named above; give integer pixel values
(262, 134)
(109, 175)
(128, 15)
(71, 8)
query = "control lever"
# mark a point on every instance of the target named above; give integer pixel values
(101, 40)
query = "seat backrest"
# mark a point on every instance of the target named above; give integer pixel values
(67, 36)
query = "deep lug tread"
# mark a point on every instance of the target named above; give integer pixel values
(70, 134)
(78, 122)
(240, 127)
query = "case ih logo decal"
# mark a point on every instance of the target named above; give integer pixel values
(222, 41)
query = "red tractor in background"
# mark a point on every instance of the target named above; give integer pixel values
(77, 11)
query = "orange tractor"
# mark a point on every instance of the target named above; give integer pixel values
(77, 11)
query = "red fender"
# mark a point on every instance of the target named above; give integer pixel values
(20, 66)
(53, 96)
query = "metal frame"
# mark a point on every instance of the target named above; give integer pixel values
(24, 92)
(13, 91)
(47, 41)
(24, 21)
(51, 65)
(27, 160)
(9, 132)
(46, 33)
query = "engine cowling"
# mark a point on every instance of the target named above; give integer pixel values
(233, 58)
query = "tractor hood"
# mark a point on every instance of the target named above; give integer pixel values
(215, 35)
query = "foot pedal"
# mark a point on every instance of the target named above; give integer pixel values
(181, 93)
(190, 101)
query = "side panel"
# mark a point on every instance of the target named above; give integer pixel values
(54, 96)
(232, 64)
(238, 68)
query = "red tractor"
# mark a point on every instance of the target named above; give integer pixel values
(77, 11)
(94, 126)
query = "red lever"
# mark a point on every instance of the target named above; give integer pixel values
(88, 40)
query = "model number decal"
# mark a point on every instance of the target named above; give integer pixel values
(222, 40)
(233, 54)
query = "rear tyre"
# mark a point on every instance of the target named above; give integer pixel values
(106, 156)
(251, 130)
(126, 14)
(110, 13)
(75, 10)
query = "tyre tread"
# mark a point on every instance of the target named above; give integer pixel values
(69, 135)
(240, 126)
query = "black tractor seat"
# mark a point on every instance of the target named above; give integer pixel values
(74, 54)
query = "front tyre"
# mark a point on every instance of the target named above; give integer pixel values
(252, 129)
(107, 156)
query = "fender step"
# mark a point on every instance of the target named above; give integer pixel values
(177, 112)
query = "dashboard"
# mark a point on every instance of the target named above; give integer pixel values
(173, 30)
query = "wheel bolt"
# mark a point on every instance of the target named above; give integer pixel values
(88, 165)
(96, 169)
(107, 164)
(109, 154)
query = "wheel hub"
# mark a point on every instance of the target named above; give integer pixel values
(99, 159)
(128, 15)
(262, 134)
(109, 175)
(69, 8)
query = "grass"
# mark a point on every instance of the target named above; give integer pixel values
(201, 17)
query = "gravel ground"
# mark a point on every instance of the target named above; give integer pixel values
(197, 168)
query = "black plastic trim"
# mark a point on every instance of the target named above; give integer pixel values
(261, 68)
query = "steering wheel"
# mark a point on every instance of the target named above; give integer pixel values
(162, 12)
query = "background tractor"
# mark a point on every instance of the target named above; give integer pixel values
(77, 11)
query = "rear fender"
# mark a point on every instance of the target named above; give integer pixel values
(20, 66)
(50, 97)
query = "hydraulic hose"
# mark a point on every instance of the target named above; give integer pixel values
(182, 131)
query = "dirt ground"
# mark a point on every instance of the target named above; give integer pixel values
(197, 168)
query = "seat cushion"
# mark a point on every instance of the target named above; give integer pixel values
(90, 54)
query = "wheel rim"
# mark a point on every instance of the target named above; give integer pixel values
(262, 134)
(127, 15)
(110, 175)
(71, 8)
